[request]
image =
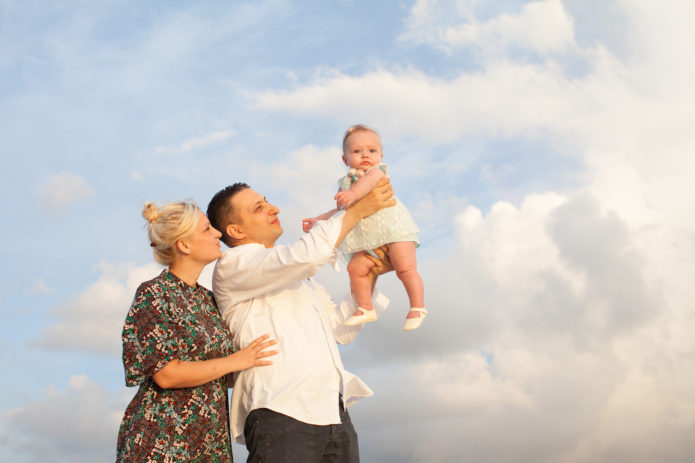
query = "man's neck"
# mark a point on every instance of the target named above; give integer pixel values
(249, 241)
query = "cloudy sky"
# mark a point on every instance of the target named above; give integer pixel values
(546, 149)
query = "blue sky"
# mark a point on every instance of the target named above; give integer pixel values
(545, 149)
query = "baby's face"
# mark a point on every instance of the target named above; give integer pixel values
(362, 150)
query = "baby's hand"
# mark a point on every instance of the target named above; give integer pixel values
(307, 224)
(344, 199)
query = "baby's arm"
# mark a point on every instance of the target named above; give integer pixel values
(307, 224)
(359, 189)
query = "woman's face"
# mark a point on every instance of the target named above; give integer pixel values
(204, 243)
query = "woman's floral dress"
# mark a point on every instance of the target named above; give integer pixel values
(169, 320)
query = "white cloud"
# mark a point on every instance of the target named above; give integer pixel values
(93, 319)
(198, 142)
(548, 331)
(629, 126)
(62, 190)
(136, 176)
(559, 326)
(41, 287)
(302, 184)
(542, 27)
(77, 424)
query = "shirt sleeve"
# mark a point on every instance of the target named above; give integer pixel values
(149, 336)
(251, 270)
(337, 314)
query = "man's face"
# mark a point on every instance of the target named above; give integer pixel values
(257, 219)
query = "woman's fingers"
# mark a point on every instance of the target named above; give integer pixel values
(258, 340)
(266, 353)
(265, 345)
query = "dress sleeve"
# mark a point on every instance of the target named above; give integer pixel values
(149, 335)
(383, 167)
(344, 183)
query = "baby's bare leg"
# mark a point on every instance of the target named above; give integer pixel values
(358, 268)
(405, 263)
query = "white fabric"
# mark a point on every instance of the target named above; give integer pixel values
(270, 291)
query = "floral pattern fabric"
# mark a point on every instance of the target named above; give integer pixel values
(168, 320)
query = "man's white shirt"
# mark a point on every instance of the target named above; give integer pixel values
(271, 291)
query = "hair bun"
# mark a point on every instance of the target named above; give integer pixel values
(150, 212)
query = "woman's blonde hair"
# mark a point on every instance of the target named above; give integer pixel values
(168, 223)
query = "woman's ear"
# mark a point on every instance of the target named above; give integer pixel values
(183, 247)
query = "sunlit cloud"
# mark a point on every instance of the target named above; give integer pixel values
(541, 27)
(78, 423)
(560, 316)
(198, 142)
(62, 190)
(92, 320)
(41, 287)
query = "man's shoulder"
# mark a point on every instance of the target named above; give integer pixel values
(231, 262)
(230, 255)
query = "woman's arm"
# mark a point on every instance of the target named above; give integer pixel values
(359, 189)
(180, 374)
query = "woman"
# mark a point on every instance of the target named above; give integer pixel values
(176, 348)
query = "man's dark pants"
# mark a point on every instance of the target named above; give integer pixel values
(277, 438)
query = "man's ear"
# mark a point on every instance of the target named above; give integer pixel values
(234, 231)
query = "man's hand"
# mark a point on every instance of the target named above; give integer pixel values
(380, 197)
(381, 265)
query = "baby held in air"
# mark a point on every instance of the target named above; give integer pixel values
(392, 226)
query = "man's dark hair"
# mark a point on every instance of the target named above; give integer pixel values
(220, 212)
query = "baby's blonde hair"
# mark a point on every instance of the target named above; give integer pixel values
(358, 128)
(168, 224)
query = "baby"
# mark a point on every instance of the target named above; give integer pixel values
(392, 226)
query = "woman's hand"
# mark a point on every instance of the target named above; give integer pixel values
(254, 354)
(179, 373)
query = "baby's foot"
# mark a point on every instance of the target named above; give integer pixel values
(414, 318)
(361, 316)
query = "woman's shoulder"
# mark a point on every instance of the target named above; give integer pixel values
(157, 292)
(154, 285)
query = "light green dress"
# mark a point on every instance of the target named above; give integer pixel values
(389, 225)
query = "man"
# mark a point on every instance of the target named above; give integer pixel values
(294, 410)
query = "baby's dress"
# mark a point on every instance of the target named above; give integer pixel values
(389, 225)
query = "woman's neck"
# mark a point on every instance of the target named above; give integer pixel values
(187, 271)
